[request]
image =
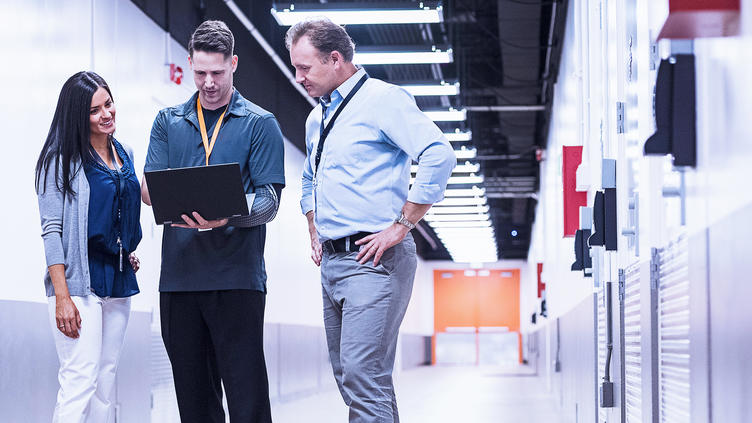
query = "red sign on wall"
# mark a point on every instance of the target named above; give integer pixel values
(701, 18)
(541, 284)
(573, 199)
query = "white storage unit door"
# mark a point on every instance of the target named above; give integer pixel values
(632, 345)
(602, 350)
(673, 331)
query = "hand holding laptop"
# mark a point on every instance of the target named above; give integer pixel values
(200, 223)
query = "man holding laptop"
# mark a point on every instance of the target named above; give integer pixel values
(213, 282)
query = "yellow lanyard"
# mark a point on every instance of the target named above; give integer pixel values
(208, 147)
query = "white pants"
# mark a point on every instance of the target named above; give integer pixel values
(88, 363)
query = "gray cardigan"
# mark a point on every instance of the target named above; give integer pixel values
(65, 226)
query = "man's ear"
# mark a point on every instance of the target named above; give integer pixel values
(234, 62)
(336, 58)
(190, 61)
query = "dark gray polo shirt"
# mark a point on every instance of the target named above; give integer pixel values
(228, 257)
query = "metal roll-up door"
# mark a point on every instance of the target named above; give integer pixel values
(602, 351)
(673, 331)
(632, 337)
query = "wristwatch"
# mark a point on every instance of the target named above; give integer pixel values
(402, 220)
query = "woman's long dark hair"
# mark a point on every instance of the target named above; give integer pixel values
(69, 139)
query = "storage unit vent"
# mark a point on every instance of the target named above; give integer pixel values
(632, 345)
(602, 351)
(673, 332)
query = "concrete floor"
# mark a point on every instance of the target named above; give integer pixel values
(442, 394)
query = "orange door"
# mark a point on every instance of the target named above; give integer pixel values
(476, 298)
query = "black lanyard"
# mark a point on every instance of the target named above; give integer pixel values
(324, 132)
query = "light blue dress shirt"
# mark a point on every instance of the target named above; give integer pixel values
(364, 173)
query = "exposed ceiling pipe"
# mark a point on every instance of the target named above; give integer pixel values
(429, 239)
(268, 49)
(547, 66)
(518, 108)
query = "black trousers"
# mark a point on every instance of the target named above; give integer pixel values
(215, 338)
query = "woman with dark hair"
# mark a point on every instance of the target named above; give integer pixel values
(89, 207)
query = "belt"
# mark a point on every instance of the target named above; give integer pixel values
(344, 244)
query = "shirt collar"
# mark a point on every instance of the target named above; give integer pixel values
(236, 107)
(343, 90)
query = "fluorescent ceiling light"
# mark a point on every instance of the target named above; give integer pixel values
(478, 237)
(472, 201)
(450, 115)
(480, 257)
(450, 224)
(464, 233)
(403, 57)
(459, 136)
(467, 168)
(486, 243)
(466, 153)
(464, 192)
(360, 13)
(457, 217)
(462, 168)
(436, 89)
(458, 209)
(471, 248)
(472, 179)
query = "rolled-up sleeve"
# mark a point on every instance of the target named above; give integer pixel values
(416, 134)
(51, 216)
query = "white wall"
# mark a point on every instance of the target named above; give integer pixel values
(564, 289)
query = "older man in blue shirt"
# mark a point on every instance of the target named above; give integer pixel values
(361, 139)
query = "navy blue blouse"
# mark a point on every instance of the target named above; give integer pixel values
(114, 227)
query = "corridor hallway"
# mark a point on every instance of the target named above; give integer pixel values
(444, 394)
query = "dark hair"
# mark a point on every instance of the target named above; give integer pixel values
(325, 36)
(212, 37)
(69, 137)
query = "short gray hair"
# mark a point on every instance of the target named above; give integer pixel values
(212, 37)
(325, 36)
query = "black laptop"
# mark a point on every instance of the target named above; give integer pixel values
(214, 191)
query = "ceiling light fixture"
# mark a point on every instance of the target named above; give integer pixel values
(472, 179)
(466, 225)
(471, 201)
(428, 90)
(288, 14)
(464, 234)
(451, 115)
(458, 209)
(458, 136)
(472, 217)
(464, 192)
(405, 55)
(466, 153)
